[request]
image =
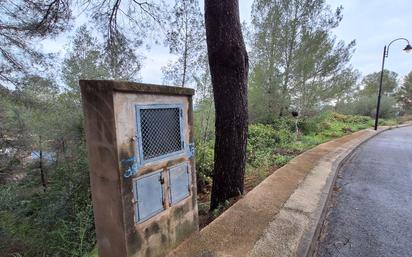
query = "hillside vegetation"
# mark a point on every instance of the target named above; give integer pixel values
(272, 145)
(295, 64)
(58, 221)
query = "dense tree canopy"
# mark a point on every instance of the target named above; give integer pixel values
(21, 22)
(87, 59)
(405, 94)
(298, 64)
(370, 83)
(187, 39)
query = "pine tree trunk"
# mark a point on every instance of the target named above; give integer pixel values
(42, 172)
(228, 62)
(185, 54)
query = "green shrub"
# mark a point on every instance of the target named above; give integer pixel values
(262, 140)
(281, 160)
(204, 164)
(285, 137)
(388, 122)
(58, 222)
(366, 106)
(313, 140)
(262, 136)
(286, 123)
(310, 125)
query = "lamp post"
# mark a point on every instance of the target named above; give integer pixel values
(407, 48)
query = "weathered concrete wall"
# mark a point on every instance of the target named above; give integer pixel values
(110, 128)
(103, 162)
(156, 236)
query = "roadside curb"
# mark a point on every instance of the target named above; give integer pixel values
(309, 244)
(283, 215)
(294, 228)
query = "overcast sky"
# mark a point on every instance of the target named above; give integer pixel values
(372, 23)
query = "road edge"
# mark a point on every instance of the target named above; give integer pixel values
(283, 215)
(309, 242)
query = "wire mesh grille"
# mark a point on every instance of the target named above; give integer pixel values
(160, 131)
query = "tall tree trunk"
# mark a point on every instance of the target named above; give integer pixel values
(185, 53)
(42, 172)
(228, 63)
(289, 59)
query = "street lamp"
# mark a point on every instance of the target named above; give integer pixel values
(407, 49)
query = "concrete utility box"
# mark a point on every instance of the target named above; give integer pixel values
(142, 173)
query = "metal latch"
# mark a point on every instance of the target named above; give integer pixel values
(191, 150)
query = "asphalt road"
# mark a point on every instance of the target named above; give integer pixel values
(372, 204)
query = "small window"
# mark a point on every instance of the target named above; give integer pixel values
(179, 183)
(159, 131)
(149, 196)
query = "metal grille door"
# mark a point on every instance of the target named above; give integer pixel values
(179, 182)
(149, 195)
(160, 131)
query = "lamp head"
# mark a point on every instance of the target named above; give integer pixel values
(407, 48)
